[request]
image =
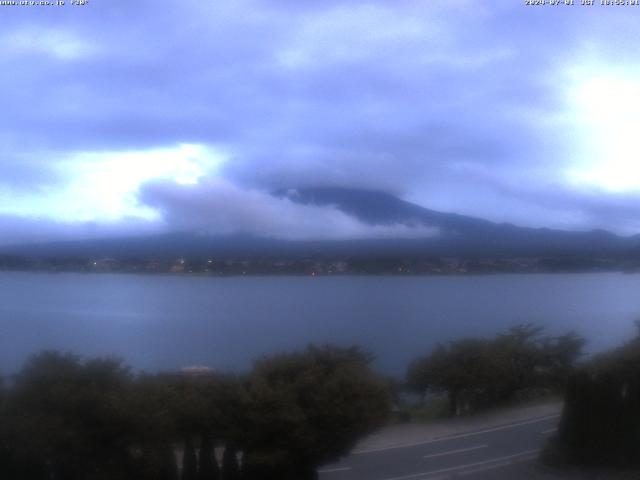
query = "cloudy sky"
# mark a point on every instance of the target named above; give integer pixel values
(129, 116)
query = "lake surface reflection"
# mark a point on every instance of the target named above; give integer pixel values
(166, 322)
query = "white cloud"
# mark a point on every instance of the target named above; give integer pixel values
(103, 186)
(54, 42)
(23, 229)
(450, 101)
(216, 206)
(607, 106)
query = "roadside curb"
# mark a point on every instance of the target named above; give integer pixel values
(406, 435)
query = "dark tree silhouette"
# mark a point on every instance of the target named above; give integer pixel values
(208, 468)
(309, 407)
(68, 419)
(168, 467)
(600, 424)
(189, 461)
(476, 372)
(73, 416)
(230, 468)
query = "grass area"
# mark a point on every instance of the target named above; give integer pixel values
(438, 408)
(432, 409)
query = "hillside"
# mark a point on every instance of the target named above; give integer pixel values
(459, 235)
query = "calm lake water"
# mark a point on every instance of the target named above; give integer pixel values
(166, 322)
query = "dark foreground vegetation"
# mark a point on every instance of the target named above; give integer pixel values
(476, 373)
(66, 419)
(600, 426)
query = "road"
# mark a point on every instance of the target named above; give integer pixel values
(499, 452)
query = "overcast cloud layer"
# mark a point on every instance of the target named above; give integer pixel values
(143, 116)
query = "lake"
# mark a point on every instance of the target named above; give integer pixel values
(166, 322)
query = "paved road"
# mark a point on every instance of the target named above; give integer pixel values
(499, 452)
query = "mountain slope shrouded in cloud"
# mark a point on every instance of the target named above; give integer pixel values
(465, 235)
(449, 235)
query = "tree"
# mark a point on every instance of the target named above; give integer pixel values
(559, 358)
(461, 369)
(474, 372)
(600, 424)
(7, 464)
(168, 468)
(230, 468)
(207, 464)
(72, 417)
(189, 461)
(516, 354)
(152, 404)
(309, 407)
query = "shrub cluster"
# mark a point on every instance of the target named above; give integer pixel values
(69, 419)
(600, 425)
(478, 372)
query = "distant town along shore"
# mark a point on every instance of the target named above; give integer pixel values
(321, 266)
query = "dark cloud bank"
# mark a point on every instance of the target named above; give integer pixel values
(455, 105)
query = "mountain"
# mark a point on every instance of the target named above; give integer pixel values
(464, 235)
(458, 235)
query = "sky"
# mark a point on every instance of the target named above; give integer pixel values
(124, 117)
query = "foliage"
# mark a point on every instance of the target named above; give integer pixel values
(230, 467)
(600, 424)
(476, 372)
(208, 468)
(189, 461)
(309, 407)
(71, 416)
(70, 419)
(436, 408)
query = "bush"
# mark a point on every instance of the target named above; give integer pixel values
(70, 419)
(600, 425)
(478, 372)
(310, 407)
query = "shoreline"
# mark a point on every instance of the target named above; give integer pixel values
(322, 275)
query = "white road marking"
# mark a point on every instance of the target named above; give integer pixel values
(455, 436)
(331, 470)
(547, 432)
(524, 458)
(452, 452)
(497, 460)
(495, 429)
(484, 468)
